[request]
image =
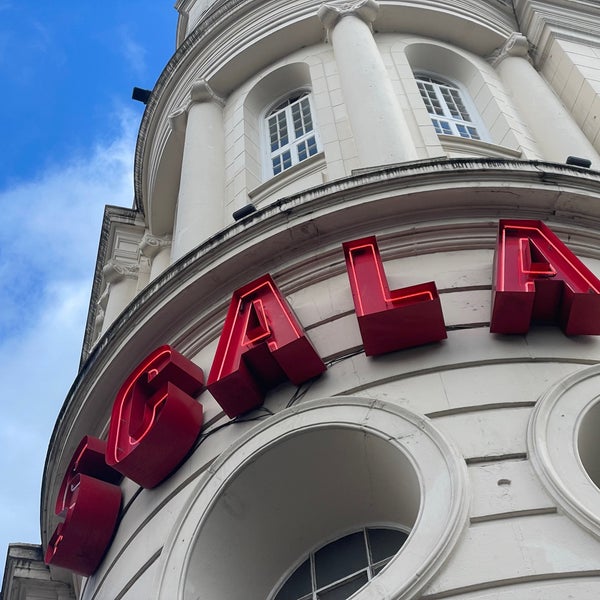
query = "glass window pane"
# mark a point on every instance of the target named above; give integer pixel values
(297, 118)
(340, 558)
(302, 151)
(283, 130)
(384, 543)
(473, 133)
(446, 129)
(462, 130)
(287, 159)
(298, 585)
(290, 133)
(344, 590)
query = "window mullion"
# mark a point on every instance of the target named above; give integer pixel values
(442, 101)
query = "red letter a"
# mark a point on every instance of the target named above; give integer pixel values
(387, 320)
(262, 344)
(536, 277)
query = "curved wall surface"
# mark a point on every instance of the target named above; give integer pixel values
(423, 124)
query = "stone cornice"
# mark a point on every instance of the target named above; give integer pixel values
(112, 215)
(573, 20)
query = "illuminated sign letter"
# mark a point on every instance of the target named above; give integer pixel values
(155, 419)
(387, 320)
(536, 277)
(262, 344)
(89, 499)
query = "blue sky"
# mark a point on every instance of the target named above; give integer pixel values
(69, 125)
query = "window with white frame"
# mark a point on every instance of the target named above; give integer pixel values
(447, 107)
(337, 570)
(291, 133)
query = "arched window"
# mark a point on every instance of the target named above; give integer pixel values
(447, 107)
(337, 570)
(291, 133)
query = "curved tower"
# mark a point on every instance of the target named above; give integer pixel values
(373, 225)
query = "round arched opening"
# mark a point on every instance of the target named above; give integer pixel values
(563, 445)
(307, 477)
(304, 491)
(587, 441)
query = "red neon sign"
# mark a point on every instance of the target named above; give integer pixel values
(89, 499)
(390, 320)
(262, 344)
(537, 278)
(155, 418)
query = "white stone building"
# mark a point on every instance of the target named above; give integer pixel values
(280, 129)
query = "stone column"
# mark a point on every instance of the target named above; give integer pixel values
(158, 250)
(554, 129)
(201, 199)
(121, 280)
(380, 130)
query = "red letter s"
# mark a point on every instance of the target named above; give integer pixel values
(89, 499)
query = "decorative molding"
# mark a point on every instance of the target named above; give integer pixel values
(402, 436)
(552, 440)
(117, 270)
(202, 92)
(331, 12)
(151, 245)
(516, 45)
(571, 20)
(199, 92)
(178, 120)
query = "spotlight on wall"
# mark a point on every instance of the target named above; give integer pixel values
(243, 212)
(577, 161)
(141, 95)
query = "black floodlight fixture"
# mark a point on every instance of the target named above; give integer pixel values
(141, 95)
(239, 214)
(577, 161)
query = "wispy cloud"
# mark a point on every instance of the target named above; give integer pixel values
(133, 52)
(50, 226)
(48, 242)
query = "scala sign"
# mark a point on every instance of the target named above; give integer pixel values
(156, 417)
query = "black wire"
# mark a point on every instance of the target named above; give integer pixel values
(207, 434)
(298, 394)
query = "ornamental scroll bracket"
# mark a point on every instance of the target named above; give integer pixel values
(331, 12)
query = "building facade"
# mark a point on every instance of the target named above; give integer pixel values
(285, 138)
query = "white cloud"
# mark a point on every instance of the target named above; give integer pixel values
(48, 241)
(134, 53)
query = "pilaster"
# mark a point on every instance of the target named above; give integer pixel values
(554, 129)
(157, 249)
(202, 186)
(121, 283)
(380, 130)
